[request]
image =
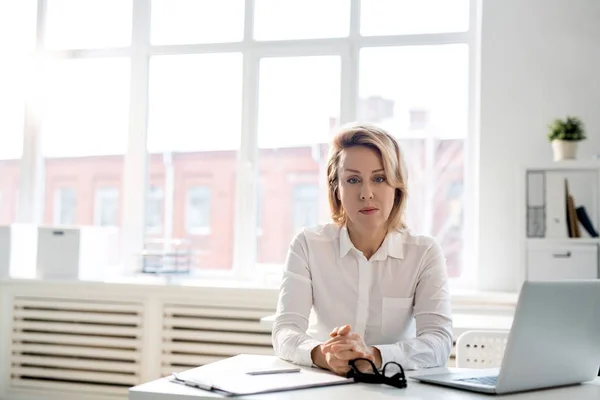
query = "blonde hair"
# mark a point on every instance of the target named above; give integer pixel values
(393, 164)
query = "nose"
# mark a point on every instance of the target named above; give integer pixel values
(366, 192)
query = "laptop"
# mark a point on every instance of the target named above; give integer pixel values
(554, 341)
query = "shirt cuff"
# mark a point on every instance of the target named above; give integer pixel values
(386, 352)
(304, 349)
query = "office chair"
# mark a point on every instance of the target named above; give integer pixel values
(480, 349)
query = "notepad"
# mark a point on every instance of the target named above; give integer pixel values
(230, 377)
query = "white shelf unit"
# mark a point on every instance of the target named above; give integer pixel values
(550, 254)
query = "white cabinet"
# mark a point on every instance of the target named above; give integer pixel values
(560, 220)
(553, 262)
(84, 252)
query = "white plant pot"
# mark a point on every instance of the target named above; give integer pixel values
(564, 149)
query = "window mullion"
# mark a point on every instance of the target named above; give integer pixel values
(135, 172)
(30, 200)
(354, 19)
(245, 250)
(349, 73)
(471, 187)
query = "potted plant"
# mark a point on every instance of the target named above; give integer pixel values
(564, 135)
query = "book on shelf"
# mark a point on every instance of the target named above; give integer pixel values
(577, 216)
(585, 221)
(572, 223)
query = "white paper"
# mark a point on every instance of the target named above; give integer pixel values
(231, 376)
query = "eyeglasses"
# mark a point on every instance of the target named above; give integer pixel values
(374, 376)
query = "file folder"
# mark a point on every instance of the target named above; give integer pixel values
(232, 377)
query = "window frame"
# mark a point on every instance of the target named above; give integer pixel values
(135, 174)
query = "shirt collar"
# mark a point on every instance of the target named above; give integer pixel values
(392, 246)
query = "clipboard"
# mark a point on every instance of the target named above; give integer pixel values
(232, 377)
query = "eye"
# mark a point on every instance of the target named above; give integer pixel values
(352, 180)
(380, 179)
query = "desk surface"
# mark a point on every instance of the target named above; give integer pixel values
(164, 389)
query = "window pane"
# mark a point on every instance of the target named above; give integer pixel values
(393, 17)
(192, 96)
(305, 205)
(84, 133)
(198, 210)
(87, 108)
(17, 40)
(420, 95)
(106, 206)
(65, 206)
(193, 138)
(154, 210)
(294, 128)
(301, 19)
(84, 24)
(416, 87)
(197, 21)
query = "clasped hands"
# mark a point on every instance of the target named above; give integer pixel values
(344, 346)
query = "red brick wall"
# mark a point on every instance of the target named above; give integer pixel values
(279, 171)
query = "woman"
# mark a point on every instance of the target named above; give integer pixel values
(367, 278)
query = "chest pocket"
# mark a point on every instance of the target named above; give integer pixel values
(396, 315)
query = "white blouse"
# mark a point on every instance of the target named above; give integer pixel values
(405, 282)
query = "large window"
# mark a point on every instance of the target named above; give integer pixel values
(207, 123)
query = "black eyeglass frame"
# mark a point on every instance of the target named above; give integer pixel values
(397, 380)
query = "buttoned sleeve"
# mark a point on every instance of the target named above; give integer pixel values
(432, 311)
(289, 337)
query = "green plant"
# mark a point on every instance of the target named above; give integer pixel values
(570, 128)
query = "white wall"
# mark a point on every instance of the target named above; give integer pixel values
(540, 60)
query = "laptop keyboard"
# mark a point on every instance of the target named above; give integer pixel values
(482, 380)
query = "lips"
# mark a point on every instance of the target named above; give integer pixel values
(368, 210)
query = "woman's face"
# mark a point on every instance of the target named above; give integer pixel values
(363, 189)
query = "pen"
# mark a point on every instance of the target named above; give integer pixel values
(274, 371)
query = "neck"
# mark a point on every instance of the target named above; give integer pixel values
(366, 242)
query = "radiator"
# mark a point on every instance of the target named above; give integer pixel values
(195, 335)
(75, 345)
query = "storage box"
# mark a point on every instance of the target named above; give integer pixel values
(83, 252)
(555, 262)
(18, 243)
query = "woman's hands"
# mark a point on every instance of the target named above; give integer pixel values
(344, 346)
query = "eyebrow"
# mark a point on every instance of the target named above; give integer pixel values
(358, 172)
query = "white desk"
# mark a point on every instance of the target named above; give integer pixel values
(164, 389)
